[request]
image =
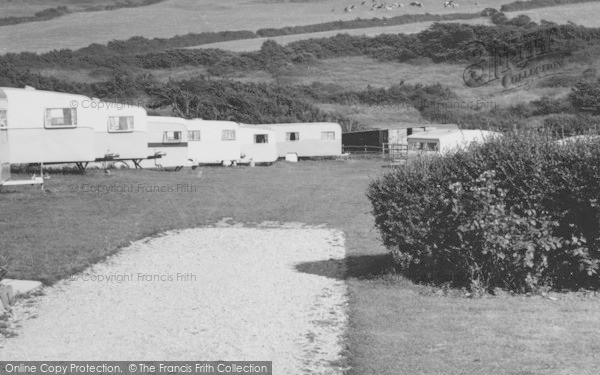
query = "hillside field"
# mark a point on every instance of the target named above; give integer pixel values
(355, 73)
(24, 8)
(246, 45)
(177, 17)
(582, 14)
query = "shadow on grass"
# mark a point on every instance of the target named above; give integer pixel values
(363, 266)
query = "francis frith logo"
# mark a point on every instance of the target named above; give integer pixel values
(516, 62)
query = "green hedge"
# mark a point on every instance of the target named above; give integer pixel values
(518, 213)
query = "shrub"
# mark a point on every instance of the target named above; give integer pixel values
(585, 95)
(518, 213)
(566, 125)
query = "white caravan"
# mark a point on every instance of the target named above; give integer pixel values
(4, 153)
(257, 144)
(123, 133)
(444, 141)
(315, 139)
(167, 137)
(213, 142)
(48, 127)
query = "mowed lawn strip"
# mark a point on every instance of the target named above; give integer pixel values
(395, 327)
(401, 330)
(48, 236)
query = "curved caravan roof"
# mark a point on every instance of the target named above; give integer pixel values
(578, 138)
(211, 126)
(248, 130)
(460, 134)
(447, 140)
(309, 128)
(24, 102)
(49, 127)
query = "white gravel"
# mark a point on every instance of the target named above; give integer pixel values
(242, 300)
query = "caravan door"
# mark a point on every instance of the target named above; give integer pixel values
(4, 152)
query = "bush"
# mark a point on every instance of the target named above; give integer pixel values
(566, 125)
(518, 213)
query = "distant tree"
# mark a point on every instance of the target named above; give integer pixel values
(520, 21)
(499, 18)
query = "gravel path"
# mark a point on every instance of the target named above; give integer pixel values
(200, 294)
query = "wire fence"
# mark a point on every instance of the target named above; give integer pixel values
(387, 151)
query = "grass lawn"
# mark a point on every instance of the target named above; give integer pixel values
(396, 327)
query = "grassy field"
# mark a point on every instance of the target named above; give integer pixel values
(177, 17)
(24, 8)
(247, 45)
(582, 14)
(397, 327)
(174, 17)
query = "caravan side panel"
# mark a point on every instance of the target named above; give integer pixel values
(122, 131)
(213, 142)
(49, 127)
(258, 144)
(169, 136)
(4, 152)
(313, 139)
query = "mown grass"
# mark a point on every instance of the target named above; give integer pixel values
(47, 236)
(396, 327)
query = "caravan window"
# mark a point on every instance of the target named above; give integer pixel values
(327, 136)
(193, 135)
(261, 138)
(292, 136)
(118, 124)
(430, 146)
(171, 136)
(228, 135)
(3, 120)
(61, 117)
(423, 146)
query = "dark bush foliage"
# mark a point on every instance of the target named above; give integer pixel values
(441, 43)
(586, 96)
(568, 124)
(43, 15)
(520, 213)
(362, 23)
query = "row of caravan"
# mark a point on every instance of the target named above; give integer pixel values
(48, 127)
